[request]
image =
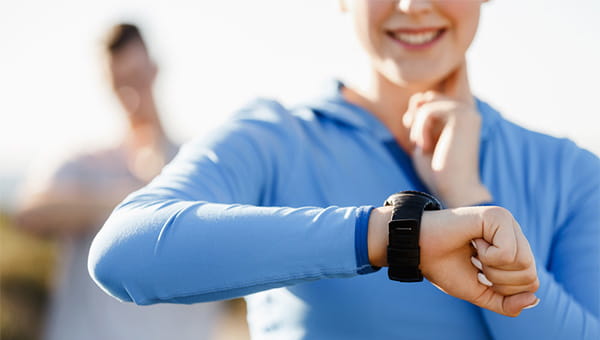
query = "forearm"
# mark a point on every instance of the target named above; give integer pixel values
(61, 218)
(54, 217)
(152, 251)
(67, 212)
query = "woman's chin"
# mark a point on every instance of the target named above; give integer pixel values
(416, 82)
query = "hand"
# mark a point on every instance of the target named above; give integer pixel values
(444, 130)
(446, 251)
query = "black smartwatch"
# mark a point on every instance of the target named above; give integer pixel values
(403, 253)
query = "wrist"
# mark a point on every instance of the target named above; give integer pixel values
(377, 236)
(446, 231)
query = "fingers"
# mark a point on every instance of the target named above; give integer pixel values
(512, 290)
(414, 104)
(427, 122)
(449, 262)
(506, 261)
(504, 258)
(508, 282)
(509, 305)
(527, 276)
(501, 248)
(506, 300)
(506, 305)
(426, 129)
(429, 111)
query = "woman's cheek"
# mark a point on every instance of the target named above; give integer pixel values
(464, 16)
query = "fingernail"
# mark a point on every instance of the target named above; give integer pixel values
(407, 120)
(537, 302)
(473, 244)
(484, 280)
(476, 263)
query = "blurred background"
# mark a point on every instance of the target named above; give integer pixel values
(536, 61)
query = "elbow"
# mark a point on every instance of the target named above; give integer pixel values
(125, 259)
(110, 267)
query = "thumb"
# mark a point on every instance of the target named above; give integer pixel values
(514, 304)
(506, 305)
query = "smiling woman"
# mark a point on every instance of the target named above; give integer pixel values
(284, 204)
(210, 227)
(418, 49)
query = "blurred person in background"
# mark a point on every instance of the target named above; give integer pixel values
(73, 200)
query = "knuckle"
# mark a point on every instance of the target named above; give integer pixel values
(415, 98)
(505, 257)
(504, 290)
(526, 262)
(531, 276)
(514, 314)
(497, 213)
(536, 285)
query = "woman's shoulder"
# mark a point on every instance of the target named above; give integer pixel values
(501, 131)
(262, 124)
(538, 162)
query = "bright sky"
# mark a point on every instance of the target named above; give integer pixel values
(535, 60)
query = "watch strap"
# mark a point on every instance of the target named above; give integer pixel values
(403, 252)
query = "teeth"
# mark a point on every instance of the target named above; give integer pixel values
(416, 38)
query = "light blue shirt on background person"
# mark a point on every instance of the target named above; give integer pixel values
(276, 204)
(78, 310)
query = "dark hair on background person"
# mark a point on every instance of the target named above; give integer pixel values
(122, 34)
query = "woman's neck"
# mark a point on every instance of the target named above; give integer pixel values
(387, 101)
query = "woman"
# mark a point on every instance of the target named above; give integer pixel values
(209, 228)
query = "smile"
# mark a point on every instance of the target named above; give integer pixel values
(416, 39)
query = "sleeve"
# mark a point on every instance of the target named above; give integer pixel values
(197, 233)
(570, 283)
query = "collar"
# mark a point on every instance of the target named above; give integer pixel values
(334, 106)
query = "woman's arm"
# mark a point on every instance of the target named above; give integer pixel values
(196, 233)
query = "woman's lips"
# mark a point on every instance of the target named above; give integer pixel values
(416, 39)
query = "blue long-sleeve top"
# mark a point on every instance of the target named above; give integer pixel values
(274, 207)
